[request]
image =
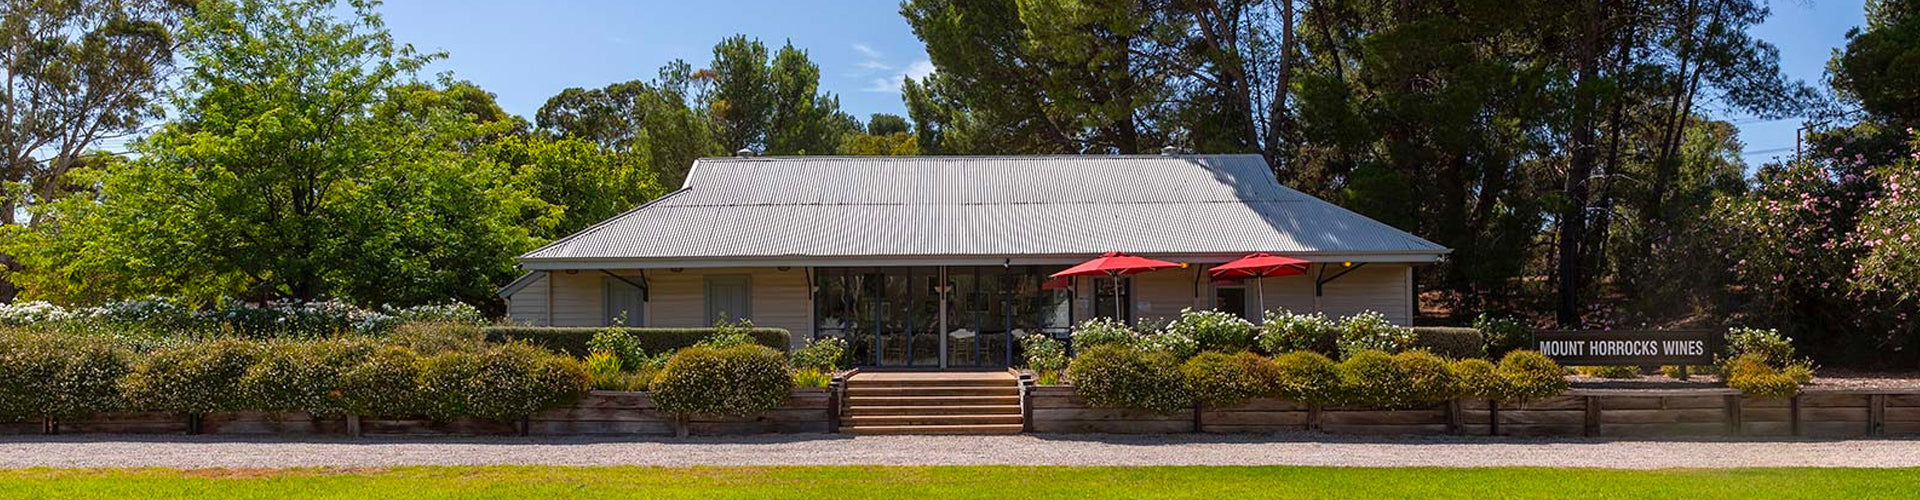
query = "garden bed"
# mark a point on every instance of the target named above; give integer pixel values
(1625, 413)
(599, 413)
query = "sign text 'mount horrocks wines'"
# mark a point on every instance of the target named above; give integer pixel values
(1633, 348)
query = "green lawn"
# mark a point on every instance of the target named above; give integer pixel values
(816, 483)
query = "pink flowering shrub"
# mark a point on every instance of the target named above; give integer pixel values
(1825, 250)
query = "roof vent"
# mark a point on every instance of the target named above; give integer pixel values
(1169, 151)
(744, 153)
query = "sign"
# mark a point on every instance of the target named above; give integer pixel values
(1630, 348)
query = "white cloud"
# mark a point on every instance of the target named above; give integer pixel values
(919, 69)
(874, 65)
(891, 84)
(864, 50)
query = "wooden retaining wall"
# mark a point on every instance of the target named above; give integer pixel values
(1589, 413)
(599, 413)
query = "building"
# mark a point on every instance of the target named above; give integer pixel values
(943, 261)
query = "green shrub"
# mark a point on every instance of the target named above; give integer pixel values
(518, 379)
(438, 337)
(573, 340)
(384, 383)
(740, 380)
(1479, 379)
(1503, 334)
(1428, 375)
(820, 354)
(1214, 330)
(619, 344)
(58, 376)
(1772, 347)
(1220, 380)
(1096, 332)
(728, 334)
(1376, 379)
(1044, 354)
(1308, 377)
(1125, 377)
(302, 376)
(1753, 376)
(1532, 376)
(506, 382)
(1609, 371)
(194, 378)
(454, 312)
(605, 372)
(446, 383)
(1451, 342)
(1370, 331)
(1177, 344)
(811, 378)
(1371, 378)
(1282, 332)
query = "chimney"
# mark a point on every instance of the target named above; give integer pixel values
(744, 153)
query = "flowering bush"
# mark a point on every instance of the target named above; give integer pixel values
(1283, 331)
(1218, 379)
(59, 376)
(1096, 332)
(153, 311)
(1118, 376)
(1044, 354)
(1370, 330)
(1502, 334)
(1213, 330)
(449, 312)
(822, 354)
(740, 380)
(1826, 250)
(29, 313)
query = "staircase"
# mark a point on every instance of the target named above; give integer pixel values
(932, 403)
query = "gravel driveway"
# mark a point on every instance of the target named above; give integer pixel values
(1303, 449)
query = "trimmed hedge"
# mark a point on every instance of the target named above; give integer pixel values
(1127, 377)
(573, 341)
(739, 380)
(1219, 379)
(1451, 342)
(59, 376)
(75, 376)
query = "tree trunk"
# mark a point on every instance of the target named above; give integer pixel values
(1580, 160)
(1279, 123)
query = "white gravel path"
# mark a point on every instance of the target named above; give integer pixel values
(1303, 449)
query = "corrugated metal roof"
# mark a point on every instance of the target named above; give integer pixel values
(828, 206)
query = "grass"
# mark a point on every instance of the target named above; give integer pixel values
(1025, 483)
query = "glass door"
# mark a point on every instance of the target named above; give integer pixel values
(927, 317)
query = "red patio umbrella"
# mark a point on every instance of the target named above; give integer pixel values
(1260, 265)
(1115, 264)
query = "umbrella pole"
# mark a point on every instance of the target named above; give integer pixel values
(1260, 286)
(1118, 312)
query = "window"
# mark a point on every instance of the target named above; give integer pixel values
(625, 303)
(1103, 302)
(1233, 300)
(729, 297)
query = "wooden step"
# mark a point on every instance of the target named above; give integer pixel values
(858, 401)
(926, 420)
(1012, 409)
(997, 381)
(934, 429)
(1007, 390)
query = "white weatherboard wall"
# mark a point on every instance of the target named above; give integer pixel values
(1386, 288)
(675, 299)
(780, 298)
(1383, 287)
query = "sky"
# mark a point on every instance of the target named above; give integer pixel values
(526, 52)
